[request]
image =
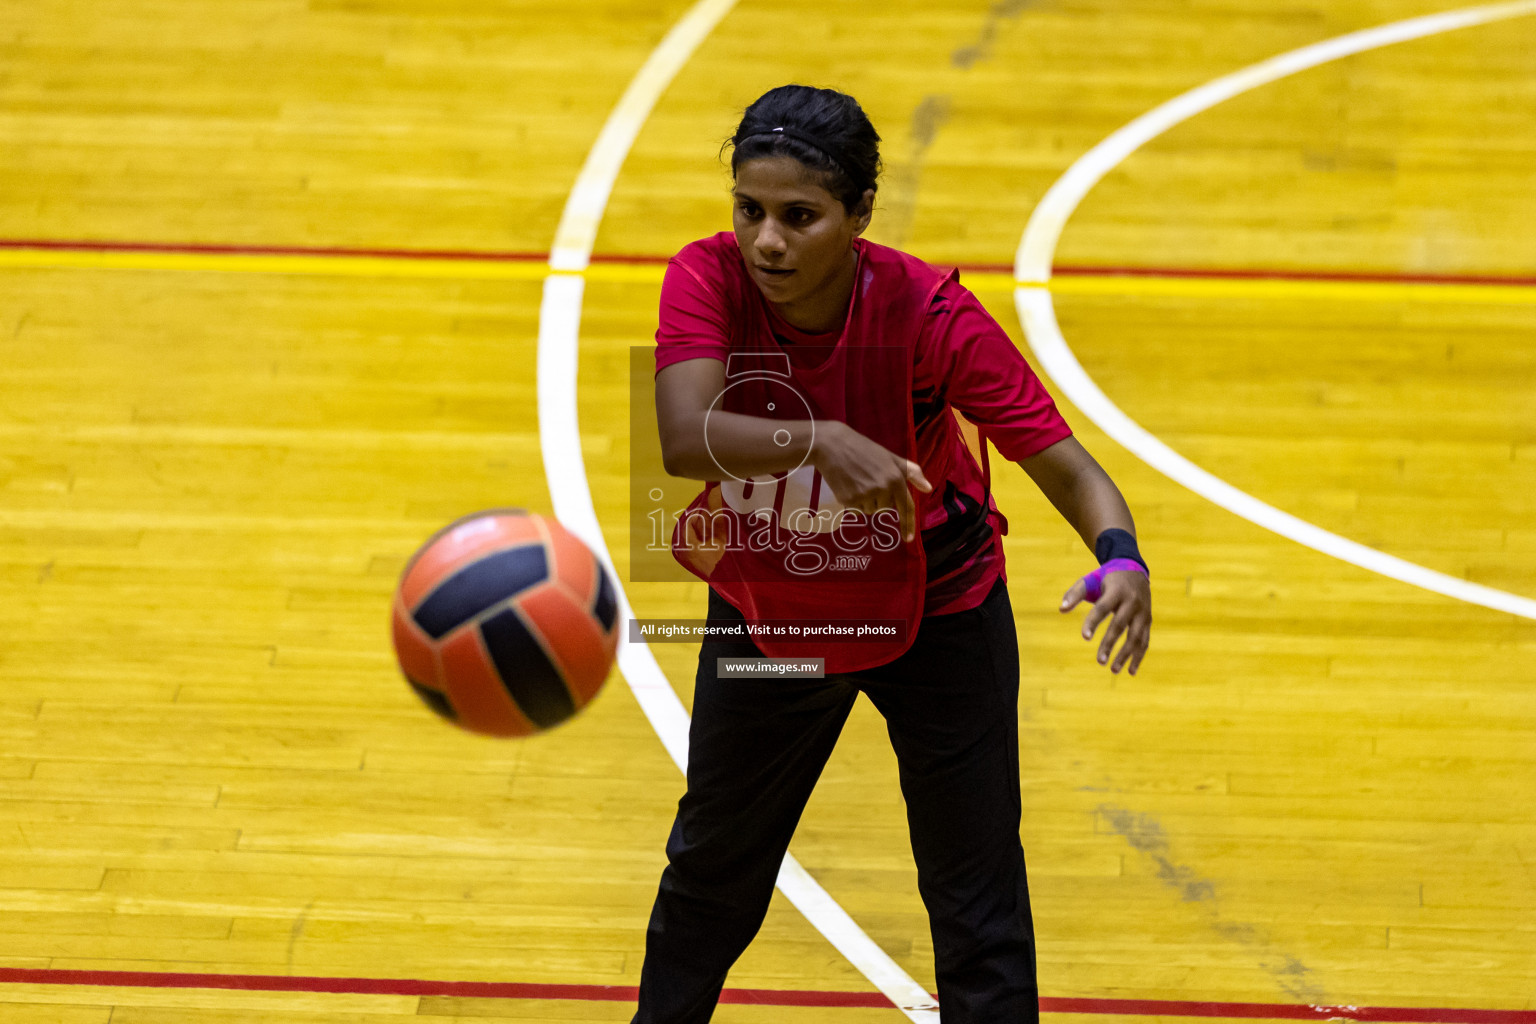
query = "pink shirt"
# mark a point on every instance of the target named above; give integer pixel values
(965, 363)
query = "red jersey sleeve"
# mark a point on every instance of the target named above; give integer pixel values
(969, 361)
(693, 321)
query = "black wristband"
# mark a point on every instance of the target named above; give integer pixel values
(1116, 543)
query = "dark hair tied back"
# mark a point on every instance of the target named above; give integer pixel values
(824, 129)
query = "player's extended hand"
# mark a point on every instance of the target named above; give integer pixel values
(1127, 603)
(867, 476)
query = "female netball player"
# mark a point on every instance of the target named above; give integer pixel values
(812, 379)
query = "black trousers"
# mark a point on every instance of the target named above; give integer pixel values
(757, 747)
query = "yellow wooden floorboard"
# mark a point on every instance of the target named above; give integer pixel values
(44, 1013)
(209, 1001)
(320, 1014)
(439, 1008)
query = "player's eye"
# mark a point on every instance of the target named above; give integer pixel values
(749, 210)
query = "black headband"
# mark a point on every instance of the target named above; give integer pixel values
(810, 140)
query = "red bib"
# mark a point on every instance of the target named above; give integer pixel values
(781, 548)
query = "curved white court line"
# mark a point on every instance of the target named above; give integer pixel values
(1032, 269)
(564, 468)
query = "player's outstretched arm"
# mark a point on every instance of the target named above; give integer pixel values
(694, 442)
(1091, 503)
(697, 444)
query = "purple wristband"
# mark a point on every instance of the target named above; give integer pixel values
(1095, 579)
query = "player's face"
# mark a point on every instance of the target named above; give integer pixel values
(796, 237)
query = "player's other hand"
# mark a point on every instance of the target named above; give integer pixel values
(1127, 603)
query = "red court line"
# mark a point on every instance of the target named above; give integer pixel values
(491, 256)
(1354, 277)
(188, 248)
(750, 996)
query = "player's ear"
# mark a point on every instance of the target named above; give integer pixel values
(863, 212)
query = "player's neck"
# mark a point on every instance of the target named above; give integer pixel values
(826, 309)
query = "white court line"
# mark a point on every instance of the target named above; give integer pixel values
(1032, 268)
(560, 443)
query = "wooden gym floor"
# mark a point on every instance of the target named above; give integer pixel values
(232, 403)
